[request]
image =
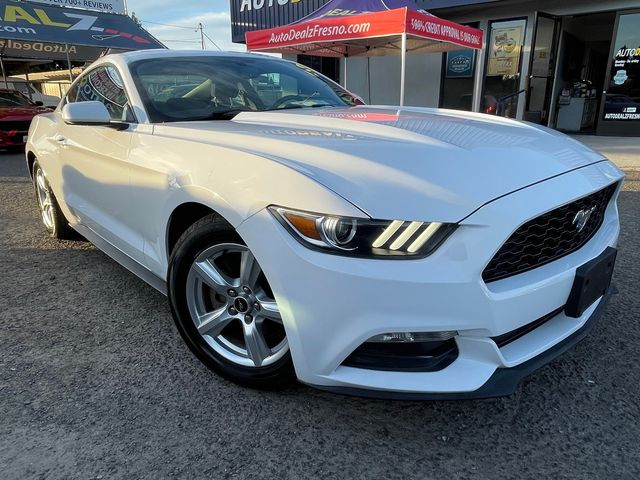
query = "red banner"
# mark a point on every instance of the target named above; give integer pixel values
(434, 28)
(325, 30)
(328, 36)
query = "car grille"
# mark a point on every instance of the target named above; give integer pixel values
(549, 237)
(15, 127)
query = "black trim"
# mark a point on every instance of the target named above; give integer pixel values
(404, 357)
(502, 383)
(512, 336)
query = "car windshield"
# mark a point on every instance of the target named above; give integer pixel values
(199, 88)
(14, 99)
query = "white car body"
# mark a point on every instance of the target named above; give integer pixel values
(489, 175)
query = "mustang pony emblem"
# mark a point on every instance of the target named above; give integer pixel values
(582, 218)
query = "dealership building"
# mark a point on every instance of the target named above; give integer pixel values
(570, 65)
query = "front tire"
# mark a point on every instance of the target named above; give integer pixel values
(53, 219)
(224, 308)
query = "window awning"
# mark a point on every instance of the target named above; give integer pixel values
(31, 22)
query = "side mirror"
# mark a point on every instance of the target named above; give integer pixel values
(89, 114)
(39, 104)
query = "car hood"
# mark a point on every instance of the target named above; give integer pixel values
(409, 164)
(20, 113)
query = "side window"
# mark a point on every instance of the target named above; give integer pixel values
(103, 85)
(21, 87)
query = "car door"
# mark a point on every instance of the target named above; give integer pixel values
(95, 169)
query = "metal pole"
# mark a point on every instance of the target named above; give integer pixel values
(369, 79)
(69, 63)
(4, 73)
(403, 67)
(26, 76)
(346, 59)
(201, 28)
(345, 72)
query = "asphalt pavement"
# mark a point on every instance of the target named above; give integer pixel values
(95, 383)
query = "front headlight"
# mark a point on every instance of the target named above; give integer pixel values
(362, 237)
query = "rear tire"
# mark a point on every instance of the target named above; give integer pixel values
(224, 308)
(53, 219)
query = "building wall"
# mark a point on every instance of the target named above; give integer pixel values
(377, 79)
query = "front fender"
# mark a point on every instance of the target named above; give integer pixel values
(233, 183)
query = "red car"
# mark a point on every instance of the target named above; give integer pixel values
(16, 113)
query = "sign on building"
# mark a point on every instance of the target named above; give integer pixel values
(31, 23)
(623, 91)
(248, 15)
(111, 6)
(504, 51)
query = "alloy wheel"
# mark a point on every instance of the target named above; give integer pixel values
(233, 308)
(45, 200)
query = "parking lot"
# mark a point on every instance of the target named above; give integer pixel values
(95, 382)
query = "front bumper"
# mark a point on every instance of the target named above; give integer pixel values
(12, 137)
(331, 305)
(503, 382)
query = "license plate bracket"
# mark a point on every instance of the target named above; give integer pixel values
(592, 281)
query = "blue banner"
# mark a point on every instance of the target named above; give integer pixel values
(40, 23)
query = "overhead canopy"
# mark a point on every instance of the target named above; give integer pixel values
(347, 28)
(41, 52)
(36, 24)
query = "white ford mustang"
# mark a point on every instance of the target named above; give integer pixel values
(404, 253)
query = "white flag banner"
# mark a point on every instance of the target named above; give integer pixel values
(111, 6)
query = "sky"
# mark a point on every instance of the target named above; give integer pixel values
(213, 14)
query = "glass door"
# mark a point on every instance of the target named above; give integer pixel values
(620, 112)
(502, 74)
(542, 68)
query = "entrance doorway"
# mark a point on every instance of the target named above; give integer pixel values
(542, 68)
(583, 57)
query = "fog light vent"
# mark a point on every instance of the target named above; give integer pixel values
(406, 352)
(412, 337)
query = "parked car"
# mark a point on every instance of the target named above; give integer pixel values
(31, 92)
(381, 251)
(16, 113)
